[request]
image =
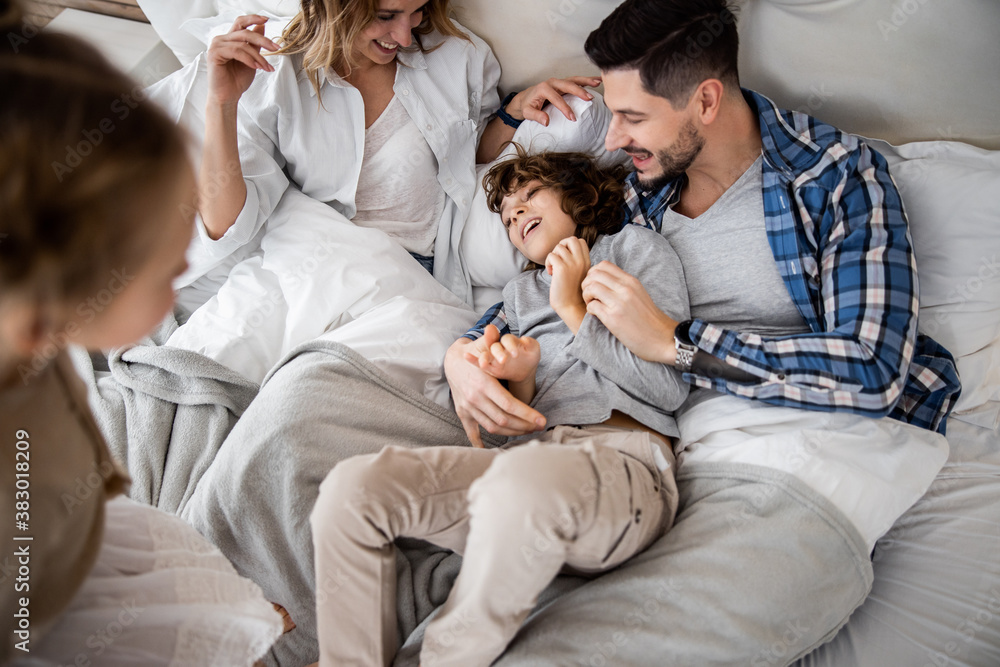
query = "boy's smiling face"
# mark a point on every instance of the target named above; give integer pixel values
(535, 220)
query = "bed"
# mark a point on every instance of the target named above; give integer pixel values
(917, 78)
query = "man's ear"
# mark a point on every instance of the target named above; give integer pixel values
(707, 100)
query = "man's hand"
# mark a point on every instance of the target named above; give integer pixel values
(480, 399)
(622, 304)
(568, 264)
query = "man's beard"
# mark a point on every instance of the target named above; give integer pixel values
(676, 158)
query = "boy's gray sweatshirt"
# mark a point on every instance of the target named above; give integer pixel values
(581, 379)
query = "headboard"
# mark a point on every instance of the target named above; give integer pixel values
(899, 70)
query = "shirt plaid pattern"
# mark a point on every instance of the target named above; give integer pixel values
(836, 225)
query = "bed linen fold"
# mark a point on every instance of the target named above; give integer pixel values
(244, 466)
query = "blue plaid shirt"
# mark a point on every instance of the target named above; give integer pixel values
(836, 226)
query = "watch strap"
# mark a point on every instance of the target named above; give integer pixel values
(506, 117)
(685, 349)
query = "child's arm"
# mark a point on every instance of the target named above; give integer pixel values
(649, 257)
(568, 264)
(512, 358)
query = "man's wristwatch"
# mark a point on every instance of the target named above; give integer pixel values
(685, 348)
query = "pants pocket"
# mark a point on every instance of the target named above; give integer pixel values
(645, 512)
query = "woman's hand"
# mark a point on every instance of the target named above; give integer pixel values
(624, 306)
(480, 399)
(527, 104)
(568, 264)
(234, 58)
(511, 358)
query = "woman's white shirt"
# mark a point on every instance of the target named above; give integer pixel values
(398, 191)
(286, 133)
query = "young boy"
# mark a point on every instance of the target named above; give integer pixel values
(585, 495)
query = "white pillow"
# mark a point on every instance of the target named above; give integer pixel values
(168, 18)
(535, 39)
(492, 259)
(949, 193)
(889, 69)
(204, 29)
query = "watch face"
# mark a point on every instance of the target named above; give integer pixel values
(682, 332)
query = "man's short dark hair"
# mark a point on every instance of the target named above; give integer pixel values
(674, 44)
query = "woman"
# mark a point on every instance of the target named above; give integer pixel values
(385, 51)
(380, 108)
(87, 257)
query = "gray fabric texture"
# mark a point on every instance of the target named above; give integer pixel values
(164, 413)
(168, 415)
(729, 263)
(746, 548)
(323, 404)
(757, 570)
(577, 387)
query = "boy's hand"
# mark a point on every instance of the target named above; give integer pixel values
(511, 358)
(568, 265)
(480, 399)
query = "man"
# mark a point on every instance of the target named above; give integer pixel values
(803, 296)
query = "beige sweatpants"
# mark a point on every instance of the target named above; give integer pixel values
(584, 498)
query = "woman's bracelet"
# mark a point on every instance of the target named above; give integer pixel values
(506, 117)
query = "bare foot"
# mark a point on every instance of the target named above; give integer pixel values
(286, 619)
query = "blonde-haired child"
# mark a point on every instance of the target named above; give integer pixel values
(97, 213)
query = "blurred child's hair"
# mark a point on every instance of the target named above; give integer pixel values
(82, 158)
(591, 195)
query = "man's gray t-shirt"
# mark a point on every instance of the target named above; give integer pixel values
(732, 278)
(569, 391)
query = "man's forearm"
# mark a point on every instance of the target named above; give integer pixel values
(708, 366)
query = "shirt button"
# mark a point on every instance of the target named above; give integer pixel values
(638, 515)
(781, 376)
(405, 92)
(447, 181)
(429, 126)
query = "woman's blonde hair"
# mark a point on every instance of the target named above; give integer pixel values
(324, 32)
(81, 155)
